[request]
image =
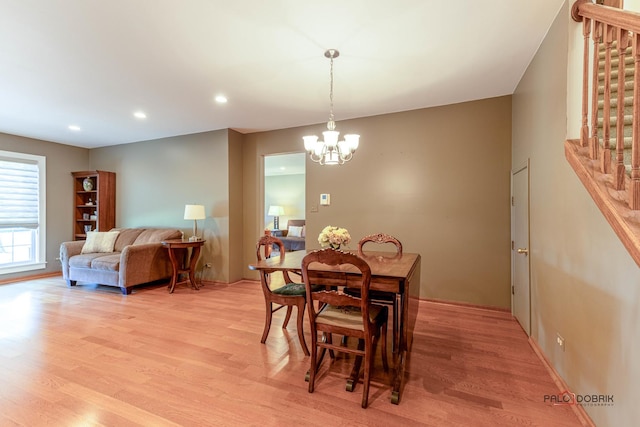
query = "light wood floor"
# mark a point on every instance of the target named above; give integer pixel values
(89, 356)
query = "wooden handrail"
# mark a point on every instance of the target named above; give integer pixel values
(605, 14)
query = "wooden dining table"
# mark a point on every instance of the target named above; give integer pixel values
(390, 272)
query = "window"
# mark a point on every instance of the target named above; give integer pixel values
(22, 212)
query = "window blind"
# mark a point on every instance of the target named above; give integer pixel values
(18, 194)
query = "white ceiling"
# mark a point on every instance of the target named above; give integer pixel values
(93, 63)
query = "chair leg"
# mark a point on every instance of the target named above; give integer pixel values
(313, 366)
(345, 340)
(368, 353)
(301, 307)
(329, 339)
(267, 322)
(287, 317)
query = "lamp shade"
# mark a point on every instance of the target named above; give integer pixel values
(194, 212)
(275, 210)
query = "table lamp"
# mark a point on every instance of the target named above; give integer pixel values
(276, 211)
(194, 212)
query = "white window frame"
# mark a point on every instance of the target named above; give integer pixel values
(41, 238)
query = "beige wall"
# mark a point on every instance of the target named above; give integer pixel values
(155, 179)
(236, 208)
(61, 161)
(440, 186)
(286, 191)
(584, 284)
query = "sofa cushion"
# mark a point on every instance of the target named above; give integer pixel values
(99, 241)
(107, 262)
(157, 235)
(126, 237)
(85, 260)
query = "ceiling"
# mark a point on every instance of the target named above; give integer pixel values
(94, 63)
(284, 164)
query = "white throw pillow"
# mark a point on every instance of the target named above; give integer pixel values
(294, 231)
(99, 241)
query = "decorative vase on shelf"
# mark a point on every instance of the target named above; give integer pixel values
(87, 184)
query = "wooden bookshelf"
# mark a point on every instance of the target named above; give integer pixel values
(94, 205)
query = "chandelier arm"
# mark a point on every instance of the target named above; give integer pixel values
(322, 155)
(346, 158)
(314, 158)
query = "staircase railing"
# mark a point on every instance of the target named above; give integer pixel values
(614, 29)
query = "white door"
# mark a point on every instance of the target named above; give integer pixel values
(520, 287)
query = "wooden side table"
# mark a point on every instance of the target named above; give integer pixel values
(175, 247)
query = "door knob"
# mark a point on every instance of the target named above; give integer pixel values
(523, 251)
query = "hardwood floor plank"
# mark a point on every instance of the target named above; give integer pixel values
(88, 355)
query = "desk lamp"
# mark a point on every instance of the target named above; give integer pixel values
(276, 211)
(194, 212)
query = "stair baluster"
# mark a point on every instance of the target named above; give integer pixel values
(594, 146)
(634, 187)
(620, 172)
(605, 158)
(584, 132)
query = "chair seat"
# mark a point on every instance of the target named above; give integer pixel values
(295, 289)
(350, 317)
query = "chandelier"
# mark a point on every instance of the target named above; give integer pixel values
(331, 151)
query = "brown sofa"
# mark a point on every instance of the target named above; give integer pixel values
(137, 257)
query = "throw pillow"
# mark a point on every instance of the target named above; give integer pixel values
(99, 241)
(294, 231)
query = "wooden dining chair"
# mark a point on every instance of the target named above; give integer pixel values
(290, 294)
(389, 298)
(331, 311)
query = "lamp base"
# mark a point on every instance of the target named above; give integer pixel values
(194, 238)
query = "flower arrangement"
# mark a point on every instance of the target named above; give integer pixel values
(334, 237)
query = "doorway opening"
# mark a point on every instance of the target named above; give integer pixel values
(284, 190)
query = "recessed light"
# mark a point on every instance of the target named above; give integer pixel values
(74, 128)
(140, 115)
(221, 99)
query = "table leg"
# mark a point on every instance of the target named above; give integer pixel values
(409, 297)
(195, 254)
(176, 268)
(355, 372)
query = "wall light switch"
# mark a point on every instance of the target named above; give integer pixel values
(325, 199)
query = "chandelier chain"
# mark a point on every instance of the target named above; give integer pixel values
(331, 126)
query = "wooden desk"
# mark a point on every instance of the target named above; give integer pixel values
(390, 272)
(176, 249)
